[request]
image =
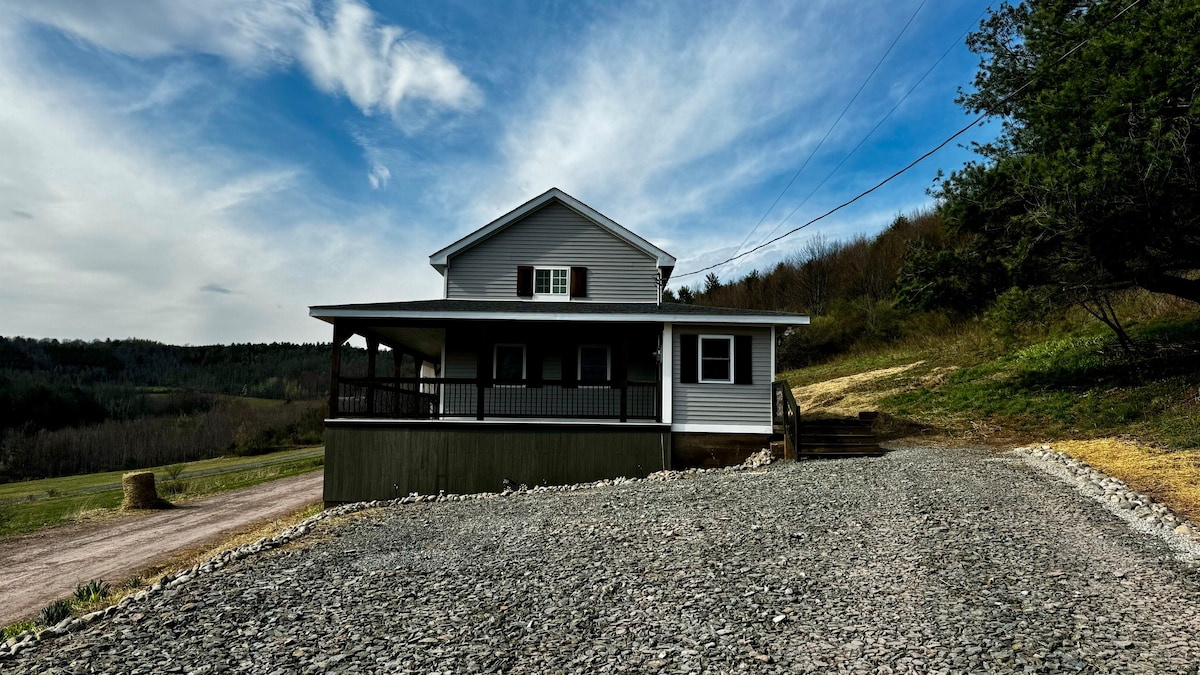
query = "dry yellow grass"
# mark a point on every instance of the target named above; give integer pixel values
(833, 397)
(1169, 476)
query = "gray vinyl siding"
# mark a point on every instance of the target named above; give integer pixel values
(736, 404)
(554, 236)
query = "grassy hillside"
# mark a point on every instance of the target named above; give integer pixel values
(966, 382)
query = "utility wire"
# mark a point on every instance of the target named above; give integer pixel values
(916, 161)
(832, 126)
(875, 128)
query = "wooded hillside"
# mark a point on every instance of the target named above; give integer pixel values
(76, 407)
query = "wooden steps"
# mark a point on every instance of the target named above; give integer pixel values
(843, 437)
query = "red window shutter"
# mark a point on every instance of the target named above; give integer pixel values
(689, 359)
(743, 359)
(579, 282)
(525, 281)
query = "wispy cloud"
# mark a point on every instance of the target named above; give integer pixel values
(127, 235)
(342, 46)
(647, 98)
(379, 67)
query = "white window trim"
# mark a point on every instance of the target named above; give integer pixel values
(700, 359)
(579, 365)
(552, 297)
(496, 364)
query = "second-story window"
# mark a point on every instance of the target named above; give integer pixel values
(551, 281)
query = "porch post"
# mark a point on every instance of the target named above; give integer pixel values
(483, 373)
(397, 361)
(340, 334)
(624, 361)
(418, 399)
(665, 374)
(372, 357)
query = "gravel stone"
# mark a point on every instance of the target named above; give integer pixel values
(926, 560)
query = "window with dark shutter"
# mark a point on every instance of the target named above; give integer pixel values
(595, 365)
(743, 359)
(716, 359)
(688, 359)
(509, 364)
(579, 282)
(525, 281)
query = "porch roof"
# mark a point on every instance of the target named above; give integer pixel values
(513, 310)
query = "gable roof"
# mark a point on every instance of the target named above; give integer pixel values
(664, 260)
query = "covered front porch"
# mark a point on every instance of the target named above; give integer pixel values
(460, 370)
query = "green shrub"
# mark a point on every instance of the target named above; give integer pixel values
(93, 591)
(16, 629)
(174, 471)
(55, 612)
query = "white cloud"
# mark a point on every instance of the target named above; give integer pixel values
(109, 233)
(379, 175)
(345, 49)
(668, 119)
(645, 100)
(379, 67)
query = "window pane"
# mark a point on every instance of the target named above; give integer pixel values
(715, 359)
(715, 349)
(541, 281)
(559, 283)
(510, 363)
(593, 364)
(714, 369)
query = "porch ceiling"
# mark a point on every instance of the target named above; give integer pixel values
(425, 340)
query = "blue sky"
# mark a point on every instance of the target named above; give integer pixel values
(202, 172)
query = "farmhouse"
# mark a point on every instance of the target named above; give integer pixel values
(551, 359)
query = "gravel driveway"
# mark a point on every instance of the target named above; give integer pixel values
(925, 560)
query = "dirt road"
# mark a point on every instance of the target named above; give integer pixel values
(37, 568)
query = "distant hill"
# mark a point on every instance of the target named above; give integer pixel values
(51, 384)
(276, 370)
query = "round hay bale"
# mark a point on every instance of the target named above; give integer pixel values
(138, 487)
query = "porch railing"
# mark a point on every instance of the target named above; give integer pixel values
(468, 398)
(786, 417)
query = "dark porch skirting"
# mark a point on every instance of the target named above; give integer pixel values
(367, 460)
(709, 451)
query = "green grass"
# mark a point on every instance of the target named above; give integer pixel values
(33, 505)
(1076, 384)
(67, 485)
(1078, 387)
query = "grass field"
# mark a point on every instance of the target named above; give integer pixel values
(32, 505)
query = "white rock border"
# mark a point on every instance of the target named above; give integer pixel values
(1139, 511)
(28, 639)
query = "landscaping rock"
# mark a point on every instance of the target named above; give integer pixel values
(924, 560)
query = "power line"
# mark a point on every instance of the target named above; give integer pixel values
(832, 126)
(916, 161)
(878, 124)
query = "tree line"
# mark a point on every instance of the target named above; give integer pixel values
(74, 406)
